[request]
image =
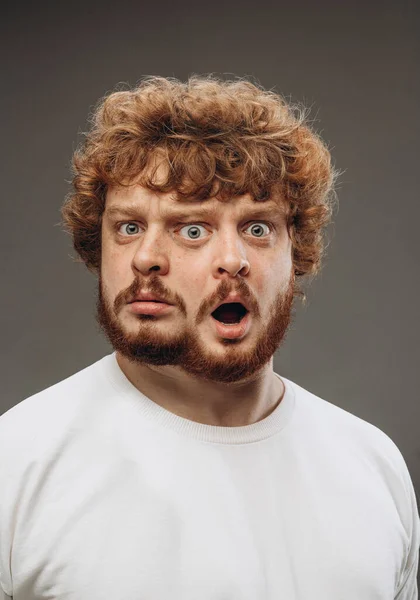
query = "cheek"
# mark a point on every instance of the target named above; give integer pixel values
(108, 258)
(284, 267)
(190, 278)
(282, 262)
(116, 272)
(270, 277)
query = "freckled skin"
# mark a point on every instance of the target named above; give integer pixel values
(149, 252)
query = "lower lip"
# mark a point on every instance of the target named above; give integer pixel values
(236, 330)
(150, 308)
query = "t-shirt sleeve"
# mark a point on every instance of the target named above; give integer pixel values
(3, 595)
(6, 470)
(407, 588)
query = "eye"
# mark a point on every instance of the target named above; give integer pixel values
(193, 231)
(258, 230)
(127, 225)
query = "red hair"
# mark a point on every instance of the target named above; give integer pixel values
(223, 138)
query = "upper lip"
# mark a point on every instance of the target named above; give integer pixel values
(148, 297)
(233, 298)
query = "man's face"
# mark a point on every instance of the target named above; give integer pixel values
(194, 254)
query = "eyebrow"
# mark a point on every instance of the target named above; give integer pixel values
(271, 211)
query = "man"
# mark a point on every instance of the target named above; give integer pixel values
(180, 465)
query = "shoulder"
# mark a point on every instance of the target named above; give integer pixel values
(42, 415)
(348, 437)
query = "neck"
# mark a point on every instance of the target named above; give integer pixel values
(211, 403)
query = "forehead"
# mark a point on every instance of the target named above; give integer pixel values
(136, 198)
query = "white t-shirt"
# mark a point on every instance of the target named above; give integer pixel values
(106, 495)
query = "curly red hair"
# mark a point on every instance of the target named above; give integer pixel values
(218, 138)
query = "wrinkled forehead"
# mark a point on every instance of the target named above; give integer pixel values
(137, 201)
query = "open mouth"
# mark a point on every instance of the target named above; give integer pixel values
(230, 313)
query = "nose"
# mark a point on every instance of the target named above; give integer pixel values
(151, 255)
(230, 257)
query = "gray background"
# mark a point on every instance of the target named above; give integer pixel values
(356, 342)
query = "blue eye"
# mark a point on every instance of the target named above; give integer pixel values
(129, 224)
(258, 229)
(193, 231)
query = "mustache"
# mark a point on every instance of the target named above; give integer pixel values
(155, 286)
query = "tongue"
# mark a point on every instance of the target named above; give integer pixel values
(227, 315)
